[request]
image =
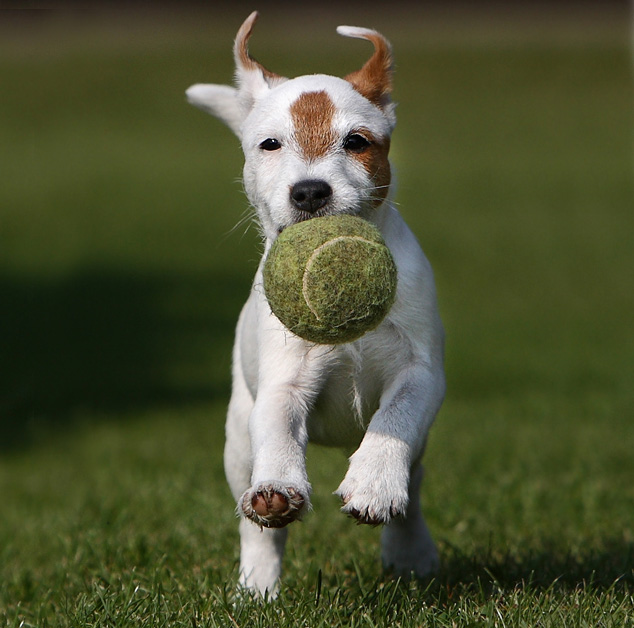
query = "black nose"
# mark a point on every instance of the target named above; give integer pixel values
(310, 195)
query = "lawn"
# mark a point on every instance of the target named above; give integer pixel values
(126, 251)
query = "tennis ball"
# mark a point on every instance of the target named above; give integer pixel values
(330, 279)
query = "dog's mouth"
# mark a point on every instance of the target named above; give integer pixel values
(304, 216)
(301, 216)
(314, 198)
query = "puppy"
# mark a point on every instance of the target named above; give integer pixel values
(318, 145)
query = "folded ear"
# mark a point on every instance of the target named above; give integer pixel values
(374, 79)
(230, 104)
(220, 101)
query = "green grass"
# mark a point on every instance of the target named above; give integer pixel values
(121, 278)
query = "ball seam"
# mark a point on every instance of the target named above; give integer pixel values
(311, 259)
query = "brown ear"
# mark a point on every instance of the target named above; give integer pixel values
(374, 79)
(245, 63)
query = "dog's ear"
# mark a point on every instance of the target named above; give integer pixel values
(220, 101)
(374, 79)
(253, 79)
(231, 104)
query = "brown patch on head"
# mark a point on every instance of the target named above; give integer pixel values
(374, 160)
(312, 114)
(374, 79)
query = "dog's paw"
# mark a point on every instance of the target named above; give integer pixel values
(273, 506)
(375, 489)
(374, 497)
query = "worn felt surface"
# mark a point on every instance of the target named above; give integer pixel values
(330, 279)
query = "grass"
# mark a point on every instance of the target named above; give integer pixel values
(121, 278)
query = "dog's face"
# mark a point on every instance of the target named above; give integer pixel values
(313, 145)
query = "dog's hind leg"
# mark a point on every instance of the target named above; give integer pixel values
(406, 544)
(237, 456)
(261, 554)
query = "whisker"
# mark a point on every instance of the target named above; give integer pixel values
(374, 195)
(246, 220)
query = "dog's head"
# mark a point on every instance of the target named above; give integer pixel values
(313, 145)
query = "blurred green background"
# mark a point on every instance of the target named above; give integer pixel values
(126, 252)
(122, 274)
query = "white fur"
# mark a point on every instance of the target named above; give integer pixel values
(378, 395)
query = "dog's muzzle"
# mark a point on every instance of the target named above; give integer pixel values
(310, 195)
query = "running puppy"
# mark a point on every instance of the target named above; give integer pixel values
(318, 145)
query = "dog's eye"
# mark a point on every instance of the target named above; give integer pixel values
(270, 144)
(355, 143)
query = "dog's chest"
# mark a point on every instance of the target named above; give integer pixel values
(348, 399)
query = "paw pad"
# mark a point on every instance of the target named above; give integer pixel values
(272, 508)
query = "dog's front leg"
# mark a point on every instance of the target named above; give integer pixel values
(290, 373)
(279, 490)
(376, 486)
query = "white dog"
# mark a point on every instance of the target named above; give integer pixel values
(317, 145)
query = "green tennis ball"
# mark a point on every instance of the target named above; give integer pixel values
(330, 279)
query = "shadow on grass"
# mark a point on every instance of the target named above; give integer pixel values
(601, 568)
(481, 577)
(111, 342)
